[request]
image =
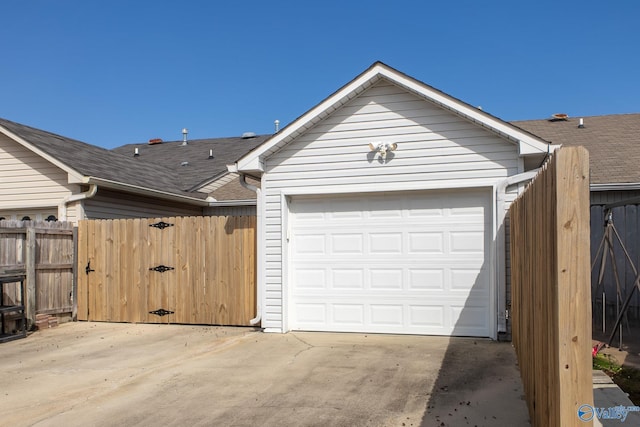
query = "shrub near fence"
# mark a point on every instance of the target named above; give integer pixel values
(45, 251)
(551, 302)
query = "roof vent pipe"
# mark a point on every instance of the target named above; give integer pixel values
(136, 153)
(581, 125)
(185, 131)
(277, 125)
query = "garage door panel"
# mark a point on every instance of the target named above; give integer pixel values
(346, 243)
(373, 277)
(396, 263)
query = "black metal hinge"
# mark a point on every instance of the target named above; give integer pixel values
(161, 312)
(161, 225)
(161, 268)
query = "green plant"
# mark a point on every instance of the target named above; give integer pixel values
(606, 363)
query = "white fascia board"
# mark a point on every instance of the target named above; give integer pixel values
(252, 162)
(73, 176)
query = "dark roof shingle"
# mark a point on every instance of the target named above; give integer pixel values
(613, 142)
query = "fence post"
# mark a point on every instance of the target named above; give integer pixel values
(30, 267)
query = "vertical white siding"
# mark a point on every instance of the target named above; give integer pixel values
(27, 179)
(436, 149)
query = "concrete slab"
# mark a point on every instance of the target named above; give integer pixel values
(104, 374)
(611, 405)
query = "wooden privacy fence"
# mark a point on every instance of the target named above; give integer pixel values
(550, 277)
(194, 270)
(45, 252)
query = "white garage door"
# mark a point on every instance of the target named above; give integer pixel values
(409, 263)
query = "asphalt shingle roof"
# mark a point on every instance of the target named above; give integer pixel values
(93, 161)
(200, 168)
(158, 167)
(613, 142)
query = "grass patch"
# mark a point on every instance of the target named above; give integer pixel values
(628, 379)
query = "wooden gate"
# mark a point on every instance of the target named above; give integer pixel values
(193, 270)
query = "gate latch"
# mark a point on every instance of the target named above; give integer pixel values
(88, 268)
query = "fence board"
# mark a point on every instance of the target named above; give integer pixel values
(212, 280)
(549, 226)
(45, 251)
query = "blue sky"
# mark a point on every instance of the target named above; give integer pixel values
(118, 72)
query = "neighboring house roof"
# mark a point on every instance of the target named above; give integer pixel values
(200, 169)
(528, 144)
(156, 171)
(613, 143)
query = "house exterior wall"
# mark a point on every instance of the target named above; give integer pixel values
(436, 150)
(230, 211)
(28, 181)
(108, 204)
(607, 197)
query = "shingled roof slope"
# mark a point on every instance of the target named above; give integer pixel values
(613, 142)
(92, 161)
(200, 168)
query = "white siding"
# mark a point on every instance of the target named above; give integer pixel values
(436, 149)
(28, 180)
(112, 205)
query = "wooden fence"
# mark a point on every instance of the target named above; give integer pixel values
(551, 302)
(196, 270)
(45, 251)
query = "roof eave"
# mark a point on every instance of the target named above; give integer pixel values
(615, 186)
(144, 191)
(73, 175)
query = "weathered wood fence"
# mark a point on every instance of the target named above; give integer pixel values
(45, 251)
(551, 301)
(197, 270)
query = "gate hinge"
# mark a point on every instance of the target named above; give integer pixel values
(161, 268)
(161, 312)
(161, 225)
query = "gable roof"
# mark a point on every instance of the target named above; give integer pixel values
(613, 142)
(200, 169)
(527, 143)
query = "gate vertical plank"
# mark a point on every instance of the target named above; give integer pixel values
(82, 296)
(211, 271)
(143, 260)
(153, 258)
(132, 274)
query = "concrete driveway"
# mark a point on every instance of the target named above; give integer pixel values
(101, 374)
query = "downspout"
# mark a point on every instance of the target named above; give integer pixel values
(501, 195)
(62, 206)
(243, 181)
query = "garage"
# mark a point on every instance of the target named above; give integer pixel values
(404, 262)
(382, 210)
